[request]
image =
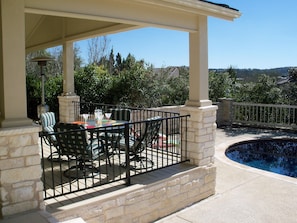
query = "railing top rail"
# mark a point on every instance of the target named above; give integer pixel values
(127, 107)
(265, 105)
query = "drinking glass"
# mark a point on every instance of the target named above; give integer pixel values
(85, 116)
(99, 119)
(97, 112)
(107, 115)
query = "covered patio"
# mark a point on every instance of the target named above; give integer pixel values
(30, 25)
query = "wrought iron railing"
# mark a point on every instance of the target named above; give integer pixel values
(117, 163)
(264, 115)
(137, 114)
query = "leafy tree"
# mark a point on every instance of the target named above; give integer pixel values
(232, 74)
(92, 83)
(118, 64)
(172, 89)
(33, 95)
(290, 88)
(130, 86)
(265, 91)
(292, 74)
(111, 62)
(219, 85)
(53, 88)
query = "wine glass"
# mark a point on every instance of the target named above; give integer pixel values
(96, 114)
(99, 118)
(85, 116)
(107, 115)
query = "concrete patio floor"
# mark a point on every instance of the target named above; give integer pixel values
(243, 194)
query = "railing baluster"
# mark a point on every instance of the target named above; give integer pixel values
(273, 116)
(127, 156)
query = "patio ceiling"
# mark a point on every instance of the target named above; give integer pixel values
(51, 23)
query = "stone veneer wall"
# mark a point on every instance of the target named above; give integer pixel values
(20, 170)
(224, 114)
(201, 134)
(66, 108)
(146, 202)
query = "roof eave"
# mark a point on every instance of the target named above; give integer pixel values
(198, 7)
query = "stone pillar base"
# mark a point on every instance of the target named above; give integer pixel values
(15, 122)
(66, 108)
(201, 134)
(224, 114)
(20, 172)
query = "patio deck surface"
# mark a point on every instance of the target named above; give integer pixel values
(243, 194)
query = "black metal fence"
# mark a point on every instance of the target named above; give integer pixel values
(136, 115)
(151, 140)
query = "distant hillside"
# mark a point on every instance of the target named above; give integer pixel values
(249, 75)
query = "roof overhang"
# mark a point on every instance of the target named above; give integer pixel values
(198, 7)
(51, 23)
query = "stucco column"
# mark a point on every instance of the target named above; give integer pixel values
(66, 107)
(13, 101)
(68, 69)
(198, 79)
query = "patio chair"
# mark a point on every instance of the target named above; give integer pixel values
(113, 137)
(72, 141)
(48, 120)
(138, 142)
(121, 114)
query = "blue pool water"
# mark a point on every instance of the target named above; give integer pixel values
(274, 155)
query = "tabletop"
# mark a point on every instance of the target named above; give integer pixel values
(91, 124)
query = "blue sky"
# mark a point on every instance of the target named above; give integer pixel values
(265, 36)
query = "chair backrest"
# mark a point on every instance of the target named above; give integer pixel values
(48, 120)
(152, 127)
(72, 140)
(150, 133)
(121, 114)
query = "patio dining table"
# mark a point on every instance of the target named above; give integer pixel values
(111, 131)
(92, 124)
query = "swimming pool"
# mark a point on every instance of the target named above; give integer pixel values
(274, 155)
